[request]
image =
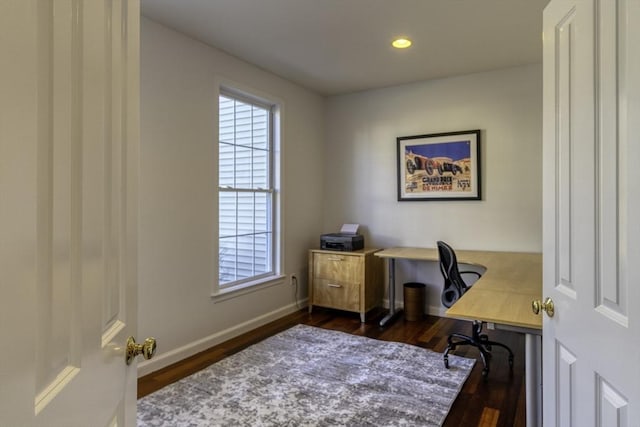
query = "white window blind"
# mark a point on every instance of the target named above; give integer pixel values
(245, 190)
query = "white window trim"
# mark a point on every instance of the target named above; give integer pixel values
(219, 294)
(230, 292)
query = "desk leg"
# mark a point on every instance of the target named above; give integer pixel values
(533, 379)
(392, 294)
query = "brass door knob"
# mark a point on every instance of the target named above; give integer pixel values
(146, 349)
(547, 306)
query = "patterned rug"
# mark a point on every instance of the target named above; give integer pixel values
(308, 376)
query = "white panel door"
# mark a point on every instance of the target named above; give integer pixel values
(68, 211)
(591, 369)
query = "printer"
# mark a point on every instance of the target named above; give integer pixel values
(347, 239)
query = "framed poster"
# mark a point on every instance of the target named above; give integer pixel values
(439, 166)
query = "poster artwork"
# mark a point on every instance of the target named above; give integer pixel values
(441, 166)
(437, 168)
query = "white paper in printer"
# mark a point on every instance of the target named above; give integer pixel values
(349, 228)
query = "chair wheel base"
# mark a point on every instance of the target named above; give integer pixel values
(481, 342)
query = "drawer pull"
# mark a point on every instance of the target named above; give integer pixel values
(333, 258)
(331, 285)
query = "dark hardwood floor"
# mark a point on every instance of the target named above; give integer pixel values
(497, 401)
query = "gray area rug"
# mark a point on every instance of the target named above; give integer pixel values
(308, 376)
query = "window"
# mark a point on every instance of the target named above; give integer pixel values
(245, 190)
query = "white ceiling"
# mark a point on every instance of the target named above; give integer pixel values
(340, 46)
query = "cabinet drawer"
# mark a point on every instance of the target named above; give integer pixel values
(336, 294)
(338, 267)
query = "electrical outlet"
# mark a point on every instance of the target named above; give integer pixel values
(294, 279)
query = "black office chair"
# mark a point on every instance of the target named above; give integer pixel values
(453, 289)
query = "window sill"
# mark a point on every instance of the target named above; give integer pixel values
(225, 294)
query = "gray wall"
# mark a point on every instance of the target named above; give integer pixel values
(178, 189)
(360, 177)
(339, 165)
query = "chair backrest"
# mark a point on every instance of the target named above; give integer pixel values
(454, 286)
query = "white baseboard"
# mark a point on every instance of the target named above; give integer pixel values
(165, 359)
(436, 311)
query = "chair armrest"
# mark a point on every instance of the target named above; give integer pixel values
(471, 272)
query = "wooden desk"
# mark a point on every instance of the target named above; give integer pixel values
(502, 297)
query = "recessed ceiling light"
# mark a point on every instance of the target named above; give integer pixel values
(401, 43)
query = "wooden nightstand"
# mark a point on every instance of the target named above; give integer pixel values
(351, 281)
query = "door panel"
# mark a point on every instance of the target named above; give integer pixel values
(68, 211)
(58, 350)
(566, 386)
(565, 62)
(591, 88)
(611, 144)
(612, 406)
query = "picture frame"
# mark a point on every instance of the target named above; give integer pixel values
(439, 166)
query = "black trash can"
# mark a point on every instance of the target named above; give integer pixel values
(414, 301)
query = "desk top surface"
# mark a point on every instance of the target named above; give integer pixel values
(502, 295)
